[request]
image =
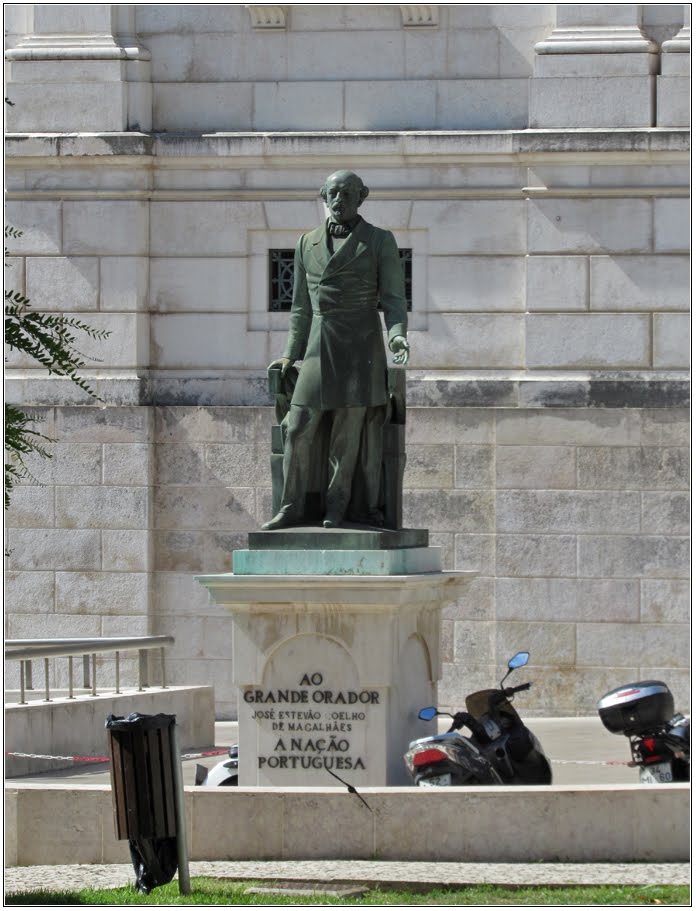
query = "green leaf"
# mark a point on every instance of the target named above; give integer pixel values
(21, 439)
(51, 339)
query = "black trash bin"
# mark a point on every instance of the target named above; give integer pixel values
(144, 778)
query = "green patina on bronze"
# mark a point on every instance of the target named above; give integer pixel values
(335, 433)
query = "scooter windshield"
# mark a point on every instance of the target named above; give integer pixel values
(485, 702)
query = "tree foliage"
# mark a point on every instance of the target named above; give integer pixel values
(51, 340)
(21, 439)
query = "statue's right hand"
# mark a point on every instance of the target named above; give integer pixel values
(283, 363)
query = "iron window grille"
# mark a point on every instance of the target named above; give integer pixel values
(281, 269)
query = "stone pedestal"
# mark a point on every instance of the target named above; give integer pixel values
(331, 669)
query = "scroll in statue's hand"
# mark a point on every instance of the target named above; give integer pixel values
(400, 348)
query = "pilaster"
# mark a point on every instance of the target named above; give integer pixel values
(79, 68)
(674, 81)
(596, 69)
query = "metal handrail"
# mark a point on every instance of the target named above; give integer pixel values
(56, 648)
(24, 650)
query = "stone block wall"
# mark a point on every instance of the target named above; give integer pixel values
(577, 520)
(326, 67)
(78, 540)
(580, 535)
(548, 386)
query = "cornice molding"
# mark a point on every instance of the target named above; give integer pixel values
(424, 388)
(240, 149)
(412, 193)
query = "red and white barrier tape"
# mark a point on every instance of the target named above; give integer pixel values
(222, 752)
(589, 762)
(64, 758)
(104, 758)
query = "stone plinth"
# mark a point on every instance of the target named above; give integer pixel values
(331, 672)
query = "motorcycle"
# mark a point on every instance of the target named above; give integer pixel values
(660, 739)
(223, 775)
(500, 751)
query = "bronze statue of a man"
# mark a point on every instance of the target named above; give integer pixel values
(343, 271)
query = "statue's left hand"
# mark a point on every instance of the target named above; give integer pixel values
(283, 362)
(400, 348)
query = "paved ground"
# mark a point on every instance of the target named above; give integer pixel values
(347, 871)
(581, 751)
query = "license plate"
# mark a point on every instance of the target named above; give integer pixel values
(437, 781)
(659, 773)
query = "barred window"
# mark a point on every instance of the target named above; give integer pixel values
(281, 272)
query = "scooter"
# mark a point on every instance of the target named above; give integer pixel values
(500, 751)
(660, 739)
(223, 775)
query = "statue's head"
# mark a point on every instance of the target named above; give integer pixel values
(344, 193)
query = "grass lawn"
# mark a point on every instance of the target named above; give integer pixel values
(206, 891)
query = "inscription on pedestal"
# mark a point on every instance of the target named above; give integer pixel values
(318, 731)
(311, 714)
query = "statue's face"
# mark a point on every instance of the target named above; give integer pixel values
(343, 197)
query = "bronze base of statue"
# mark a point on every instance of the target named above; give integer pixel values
(347, 536)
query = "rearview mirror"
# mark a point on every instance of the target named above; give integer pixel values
(518, 660)
(428, 713)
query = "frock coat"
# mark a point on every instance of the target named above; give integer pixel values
(335, 328)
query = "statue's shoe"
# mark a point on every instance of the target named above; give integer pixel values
(281, 520)
(332, 521)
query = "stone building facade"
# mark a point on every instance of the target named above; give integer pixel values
(533, 158)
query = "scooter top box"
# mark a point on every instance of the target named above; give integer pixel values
(636, 707)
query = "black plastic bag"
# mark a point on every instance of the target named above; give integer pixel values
(154, 860)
